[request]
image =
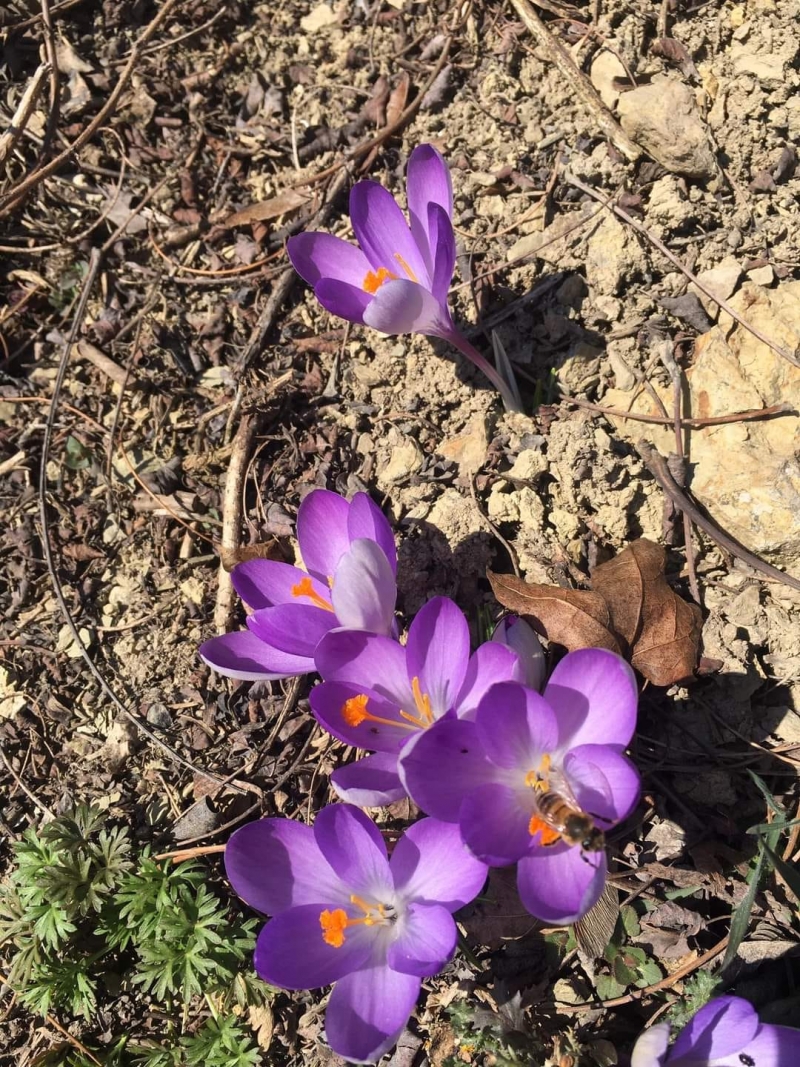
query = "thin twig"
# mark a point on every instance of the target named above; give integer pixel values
(570, 179)
(55, 85)
(713, 420)
(24, 110)
(64, 1033)
(657, 466)
(232, 510)
(21, 785)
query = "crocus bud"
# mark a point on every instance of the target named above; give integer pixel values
(518, 635)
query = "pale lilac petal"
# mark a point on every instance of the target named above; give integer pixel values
(342, 299)
(366, 660)
(292, 953)
(431, 863)
(516, 727)
(490, 663)
(370, 782)
(367, 1011)
(244, 656)
(650, 1049)
(428, 182)
(722, 1028)
(293, 628)
(494, 823)
(517, 634)
(559, 883)
(353, 846)
(443, 248)
(322, 532)
(405, 307)
(276, 864)
(321, 255)
(425, 941)
(383, 233)
(364, 591)
(262, 583)
(773, 1046)
(365, 519)
(605, 783)
(329, 702)
(442, 765)
(593, 693)
(437, 652)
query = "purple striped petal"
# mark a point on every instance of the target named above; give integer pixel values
(276, 864)
(337, 706)
(517, 634)
(773, 1046)
(364, 591)
(370, 782)
(593, 693)
(321, 255)
(723, 1028)
(443, 249)
(425, 942)
(428, 182)
(383, 233)
(559, 883)
(366, 660)
(494, 823)
(244, 656)
(352, 844)
(322, 532)
(343, 299)
(262, 583)
(516, 727)
(365, 519)
(437, 652)
(490, 663)
(431, 863)
(292, 628)
(292, 953)
(441, 766)
(650, 1049)
(402, 306)
(367, 1011)
(604, 782)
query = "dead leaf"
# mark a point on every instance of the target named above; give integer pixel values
(398, 98)
(594, 931)
(262, 1021)
(271, 549)
(290, 200)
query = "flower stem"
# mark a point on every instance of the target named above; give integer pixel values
(457, 339)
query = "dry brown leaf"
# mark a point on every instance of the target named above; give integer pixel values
(574, 618)
(273, 548)
(398, 99)
(263, 1023)
(289, 200)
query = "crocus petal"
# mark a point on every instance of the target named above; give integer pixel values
(428, 182)
(593, 693)
(404, 307)
(342, 299)
(443, 249)
(516, 727)
(364, 659)
(383, 233)
(262, 583)
(321, 255)
(292, 953)
(364, 591)
(721, 1028)
(276, 864)
(430, 862)
(365, 519)
(425, 942)
(437, 652)
(604, 782)
(367, 1011)
(244, 656)
(293, 628)
(329, 702)
(494, 822)
(442, 765)
(651, 1047)
(560, 883)
(352, 844)
(322, 532)
(517, 634)
(370, 782)
(490, 663)
(773, 1046)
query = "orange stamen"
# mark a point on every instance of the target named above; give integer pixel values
(354, 712)
(334, 924)
(374, 279)
(306, 588)
(547, 835)
(538, 779)
(405, 267)
(423, 702)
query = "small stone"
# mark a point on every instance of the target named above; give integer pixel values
(722, 280)
(467, 449)
(623, 375)
(612, 256)
(663, 118)
(317, 19)
(765, 68)
(607, 68)
(734, 238)
(762, 275)
(581, 368)
(405, 459)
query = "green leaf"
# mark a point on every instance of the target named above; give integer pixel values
(740, 920)
(607, 987)
(76, 455)
(789, 873)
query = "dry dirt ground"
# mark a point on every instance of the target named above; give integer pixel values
(199, 358)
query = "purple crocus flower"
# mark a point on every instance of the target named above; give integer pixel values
(351, 561)
(377, 694)
(724, 1033)
(534, 780)
(398, 279)
(346, 914)
(517, 634)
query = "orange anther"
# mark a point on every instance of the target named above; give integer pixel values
(374, 279)
(406, 267)
(354, 710)
(305, 587)
(334, 924)
(547, 835)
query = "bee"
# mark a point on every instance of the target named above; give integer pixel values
(559, 817)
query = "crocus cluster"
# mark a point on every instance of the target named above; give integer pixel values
(507, 774)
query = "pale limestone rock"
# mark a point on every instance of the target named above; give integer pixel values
(769, 67)
(762, 275)
(405, 458)
(612, 255)
(468, 448)
(663, 118)
(722, 279)
(605, 68)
